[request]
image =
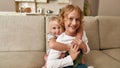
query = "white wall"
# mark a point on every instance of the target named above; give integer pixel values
(52, 5)
(80, 3)
(109, 8)
(7, 5)
(55, 6)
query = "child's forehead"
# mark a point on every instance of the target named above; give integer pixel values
(54, 23)
(73, 14)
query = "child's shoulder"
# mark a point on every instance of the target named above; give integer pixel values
(49, 36)
(61, 35)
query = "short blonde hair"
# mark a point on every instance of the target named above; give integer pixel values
(54, 18)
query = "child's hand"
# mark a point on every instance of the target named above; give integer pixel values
(74, 51)
(45, 57)
(81, 44)
(78, 42)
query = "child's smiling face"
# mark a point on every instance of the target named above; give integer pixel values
(55, 28)
(72, 23)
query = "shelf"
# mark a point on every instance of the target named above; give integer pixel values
(36, 5)
(63, 1)
(21, 6)
(41, 1)
(24, 0)
(32, 3)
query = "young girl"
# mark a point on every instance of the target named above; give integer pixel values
(71, 19)
(55, 30)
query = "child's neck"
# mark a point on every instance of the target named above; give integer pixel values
(70, 34)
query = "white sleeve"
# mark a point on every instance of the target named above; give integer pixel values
(60, 63)
(85, 40)
(56, 62)
(50, 36)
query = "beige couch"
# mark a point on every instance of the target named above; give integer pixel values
(104, 40)
(22, 41)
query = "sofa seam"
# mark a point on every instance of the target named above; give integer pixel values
(98, 31)
(45, 31)
(110, 56)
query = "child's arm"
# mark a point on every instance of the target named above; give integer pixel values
(83, 47)
(79, 41)
(80, 33)
(58, 46)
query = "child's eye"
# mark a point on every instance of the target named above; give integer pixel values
(70, 19)
(77, 20)
(54, 27)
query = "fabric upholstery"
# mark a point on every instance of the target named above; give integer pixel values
(109, 29)
(22, 41)
(114, 53)
(98, 59)
(91, 27)
(20, 33)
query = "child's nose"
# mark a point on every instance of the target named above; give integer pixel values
(74, 22)
(57, 31)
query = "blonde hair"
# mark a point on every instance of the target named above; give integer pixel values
(54, 18)
(66, 10)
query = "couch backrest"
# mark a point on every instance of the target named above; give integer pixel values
(109, 31)
(91, 28)
(47, 31)
(19, 33)
(22, 39)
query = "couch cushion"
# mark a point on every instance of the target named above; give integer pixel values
(21, 59)
(98, 59)
(91, 28)
(114, 53)
(109, 29)
(20, 33)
